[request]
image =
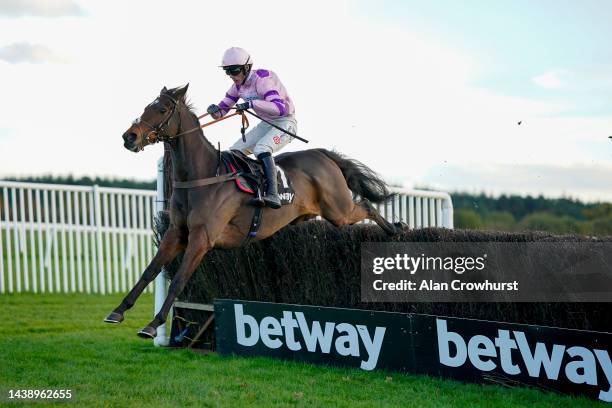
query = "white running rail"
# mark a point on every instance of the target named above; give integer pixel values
(419, 208)
(61, 238)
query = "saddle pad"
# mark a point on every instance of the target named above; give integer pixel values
(285, 190)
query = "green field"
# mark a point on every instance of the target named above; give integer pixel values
(60, 342)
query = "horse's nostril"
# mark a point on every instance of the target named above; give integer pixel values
(129, 137)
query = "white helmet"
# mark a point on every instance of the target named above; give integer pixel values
(235, 56)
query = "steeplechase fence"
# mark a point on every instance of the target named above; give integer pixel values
(298, 295)
(416, 208)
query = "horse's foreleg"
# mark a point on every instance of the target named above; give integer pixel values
(169, 247)
(197, 247)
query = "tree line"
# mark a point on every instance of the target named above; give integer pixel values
(518, 213)
(88, 181)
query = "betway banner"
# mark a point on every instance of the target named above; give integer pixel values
(569, 361)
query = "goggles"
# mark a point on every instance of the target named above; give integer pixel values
(233, 69)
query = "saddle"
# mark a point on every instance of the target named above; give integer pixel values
(251, 180)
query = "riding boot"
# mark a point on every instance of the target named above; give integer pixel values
(271, 197)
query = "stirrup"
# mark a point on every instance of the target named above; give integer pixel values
(258, 200)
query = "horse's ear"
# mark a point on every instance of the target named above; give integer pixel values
(180, 92)
(164, 90)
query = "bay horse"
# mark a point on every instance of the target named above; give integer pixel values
(218, 215)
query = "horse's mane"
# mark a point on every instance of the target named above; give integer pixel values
(191, 109)
(190, 106)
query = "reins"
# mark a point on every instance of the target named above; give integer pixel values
(156, 130)
(245, 123)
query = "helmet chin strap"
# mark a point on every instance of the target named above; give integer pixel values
(246, 70)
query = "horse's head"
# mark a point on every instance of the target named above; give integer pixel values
(159, 121)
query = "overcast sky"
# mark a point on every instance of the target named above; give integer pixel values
(426, 93)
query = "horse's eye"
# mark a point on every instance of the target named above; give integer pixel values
(163, 110)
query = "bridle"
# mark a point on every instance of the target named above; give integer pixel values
(159, 133)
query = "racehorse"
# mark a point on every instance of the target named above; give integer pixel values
(217, 215)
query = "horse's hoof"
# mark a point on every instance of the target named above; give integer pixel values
(114, 318)
(148, 333)
(401, 225)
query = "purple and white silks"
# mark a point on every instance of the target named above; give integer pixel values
(267, 95)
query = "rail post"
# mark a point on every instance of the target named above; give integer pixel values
(161, 289)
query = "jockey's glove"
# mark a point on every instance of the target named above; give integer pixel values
(212, 109)
(243, 106)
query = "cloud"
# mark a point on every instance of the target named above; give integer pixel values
(31, 53)
(39, 8)
(550, 80)
(585, 78)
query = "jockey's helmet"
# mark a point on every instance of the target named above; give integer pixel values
(236, 56)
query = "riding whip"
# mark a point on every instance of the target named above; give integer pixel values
(273, 125)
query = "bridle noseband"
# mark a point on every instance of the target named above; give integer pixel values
(159, 133)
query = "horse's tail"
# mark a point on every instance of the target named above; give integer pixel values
(360, 179)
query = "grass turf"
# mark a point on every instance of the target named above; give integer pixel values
(60, 342)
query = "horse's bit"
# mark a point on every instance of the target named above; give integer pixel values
(160, 132)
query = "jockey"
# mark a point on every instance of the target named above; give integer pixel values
(263, 92)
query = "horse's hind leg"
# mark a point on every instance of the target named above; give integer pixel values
(358, 212)
(169, 247)
(197, 247)
(374, 215)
